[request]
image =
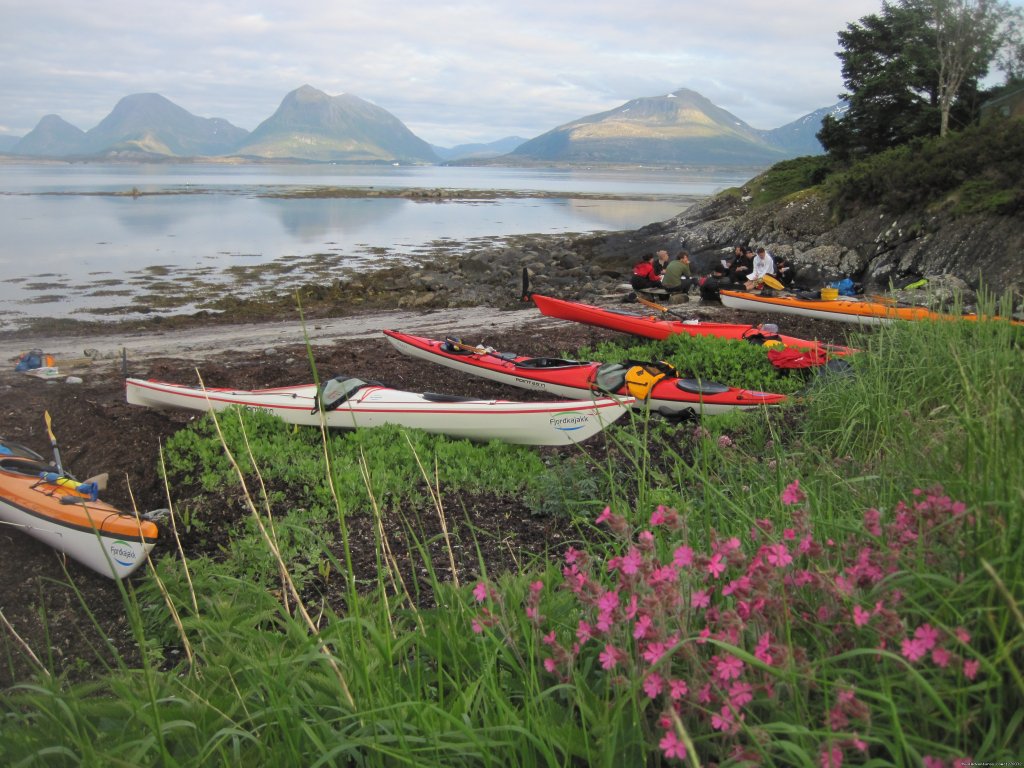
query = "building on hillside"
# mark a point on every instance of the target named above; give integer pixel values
(1009, 105)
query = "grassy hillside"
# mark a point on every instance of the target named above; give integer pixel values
(976, 171)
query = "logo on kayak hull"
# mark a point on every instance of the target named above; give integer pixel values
(569, 421)
(122, 552)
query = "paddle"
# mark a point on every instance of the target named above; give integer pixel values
(53, 442)
(659, 307)
(526, 284)
(452, 342)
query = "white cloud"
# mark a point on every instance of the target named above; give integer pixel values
(453, 71)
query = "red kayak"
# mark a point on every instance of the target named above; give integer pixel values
(652, 327)
(653, 384)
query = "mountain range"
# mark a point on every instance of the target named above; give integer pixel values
(682, 127)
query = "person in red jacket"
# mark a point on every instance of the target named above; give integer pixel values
(644, 275)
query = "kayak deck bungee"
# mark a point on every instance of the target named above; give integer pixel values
(652, 327)
(669, 395)
(349, 403)
(65, 514)
(845, 310)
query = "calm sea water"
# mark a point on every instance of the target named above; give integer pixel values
(71, 246)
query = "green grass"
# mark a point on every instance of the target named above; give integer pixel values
(239, 667)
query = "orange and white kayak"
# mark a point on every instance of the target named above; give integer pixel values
(67, 515)
(845, 310)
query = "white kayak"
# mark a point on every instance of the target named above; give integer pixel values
(346, 403)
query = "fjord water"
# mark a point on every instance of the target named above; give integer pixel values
(77, 240)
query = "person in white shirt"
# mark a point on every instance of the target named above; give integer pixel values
(763, 265)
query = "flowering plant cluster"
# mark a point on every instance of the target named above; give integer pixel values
(711, 642)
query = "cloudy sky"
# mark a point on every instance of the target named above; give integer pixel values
(454, 71)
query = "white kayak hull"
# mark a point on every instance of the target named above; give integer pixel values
(541, 423)
(114, 556)
(753, 305)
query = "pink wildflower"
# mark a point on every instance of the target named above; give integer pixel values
(672, 747)
(654, 651)
(724, 441)
(872, 524)
(476, 626)
(778, 555)
(932, 762)
(963, 635)
(631, 561)
(700, 599)
(572, 555)
(740, 694)
(941, 657)
(682, 557)
(480, 592)
(643, 624)
(928, 635)
(537, 587)
(792, 494)
(550, 665)
(832, 757)
(860, 616)
(913, 649)
(971, 668)
(677, 689)
(658, 516)
(665, 574)
(608, 601)
(606, 514)
(584, 631)
(716, 567)
(762, 651)
(789, 534)
(609, 657)
(653, 685)
(728, 668)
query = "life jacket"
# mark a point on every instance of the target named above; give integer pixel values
(645, 269)
(797, 358)
(641, 377)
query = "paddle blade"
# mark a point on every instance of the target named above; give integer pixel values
(771, 282)
(526, 285)
(49, 426)
(99, 480)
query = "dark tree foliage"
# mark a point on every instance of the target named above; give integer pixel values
(890, 67)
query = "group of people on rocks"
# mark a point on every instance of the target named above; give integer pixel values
(746, 268)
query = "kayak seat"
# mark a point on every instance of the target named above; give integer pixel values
(436, 397)
(547, 362)
(336, 391)
(701, 386)
(17, 449)
(610, 377)
(452, 348)
(27, 467)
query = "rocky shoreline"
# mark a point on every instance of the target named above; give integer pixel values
(958, 257)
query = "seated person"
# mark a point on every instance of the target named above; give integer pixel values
(718, 278)
(660, 262)
(741, 267)
(677, 278)
(762, 265)
(784, 271)
(644, 276)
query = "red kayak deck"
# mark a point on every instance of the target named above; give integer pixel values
(670, 395)
(654, 327)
